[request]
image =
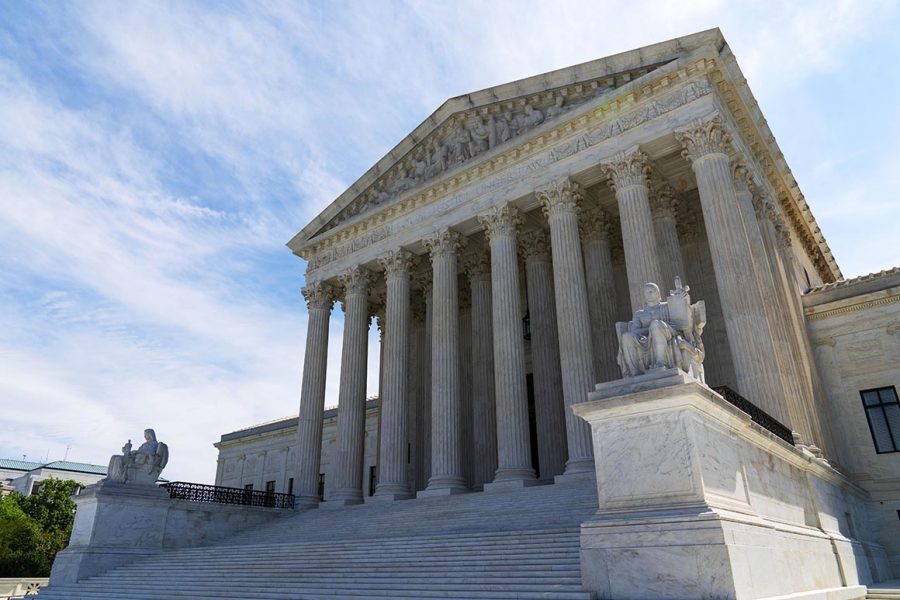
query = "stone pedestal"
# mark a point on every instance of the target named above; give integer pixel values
(115, 524)
(696, 501)
(121, 523)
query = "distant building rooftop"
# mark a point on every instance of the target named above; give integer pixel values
(59, 465)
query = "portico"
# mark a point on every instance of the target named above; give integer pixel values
(550, 202)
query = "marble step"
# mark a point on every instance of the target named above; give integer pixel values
(71, 593)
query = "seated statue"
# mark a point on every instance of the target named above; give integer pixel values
(663, 335)
(142, 465)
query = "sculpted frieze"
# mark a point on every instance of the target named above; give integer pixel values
(694, 90)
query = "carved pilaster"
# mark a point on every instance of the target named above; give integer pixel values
(664, 202)
(535, 244)
(704, 137)
(595, 223)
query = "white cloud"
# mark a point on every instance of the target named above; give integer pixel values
(126, 301)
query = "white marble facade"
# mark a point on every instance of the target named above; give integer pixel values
(557, 198)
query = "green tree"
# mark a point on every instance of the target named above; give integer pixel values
(34, 528)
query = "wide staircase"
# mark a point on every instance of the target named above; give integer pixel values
(887, 590)
(520, 543)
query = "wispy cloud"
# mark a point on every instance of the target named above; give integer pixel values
(154, 158)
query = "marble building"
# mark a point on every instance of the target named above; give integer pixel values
(748, 448)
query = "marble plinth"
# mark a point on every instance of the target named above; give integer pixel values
(696, 501)
(116, 524)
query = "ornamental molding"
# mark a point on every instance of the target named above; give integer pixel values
(825, 314)
(610, 119)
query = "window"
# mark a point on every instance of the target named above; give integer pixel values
(270, 487)
(321, 486)
(290, 486)
(249, 487)
(883, 414)
(36, 487)
(373, 479)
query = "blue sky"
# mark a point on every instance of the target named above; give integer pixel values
(155, 157)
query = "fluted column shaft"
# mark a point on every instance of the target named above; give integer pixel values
(707, 146)
(484, 414)
(595, 227)
(446, 456)
(510, 383)
(319, 300)
(392, 477)
(560, 205)
(663, 207)
(776, 323)
(628, 178)
(351, 419)
(549, 406)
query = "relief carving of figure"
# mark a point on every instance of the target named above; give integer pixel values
(557, 108)
(663, 335)
(403, 183)
(460, 141)
(139, 466)
(482, 137)
(503, 125)
(532, 117)
(437, 160)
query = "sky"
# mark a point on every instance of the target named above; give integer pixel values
(155, 157)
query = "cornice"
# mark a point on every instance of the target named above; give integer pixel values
(628, 109)
(754, 129)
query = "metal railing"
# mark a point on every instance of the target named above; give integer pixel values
(757, 415)
(198, 492)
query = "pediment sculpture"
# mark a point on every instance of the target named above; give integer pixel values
(663, 335)
(143, 465)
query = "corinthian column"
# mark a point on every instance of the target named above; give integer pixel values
(549, 407)
(319, 300)
(595, 225)
(707, 145)
(663, 204)
(560, 206)
(484, 416)
(351, 419)
(446, 456)
(392, 477)
(628, 178)
(510, 384)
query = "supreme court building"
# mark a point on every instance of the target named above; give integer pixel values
(498, 244)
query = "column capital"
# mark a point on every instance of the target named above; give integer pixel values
(595, 223)
(501, 221)
(535, 244)
(688, 227)
(559, 196)
(422, 280)
(397, 263)
(704, 137)
(319, 295)
(664, 202)
(476, 265)
(356, 280)
(743, 178)
(444, 243)
(627, 169)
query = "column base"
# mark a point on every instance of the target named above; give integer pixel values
(579, 467)
(444, 486)
(514, 474)
(509, 485)
(389, 493)
(306, 502)
(345, 497)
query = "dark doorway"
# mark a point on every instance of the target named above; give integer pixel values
(532, 424)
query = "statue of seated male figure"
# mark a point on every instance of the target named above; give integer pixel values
(139, 466)
(663, 335)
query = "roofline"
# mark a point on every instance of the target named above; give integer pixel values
(609, 65)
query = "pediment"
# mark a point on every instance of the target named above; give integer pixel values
(468, 127)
